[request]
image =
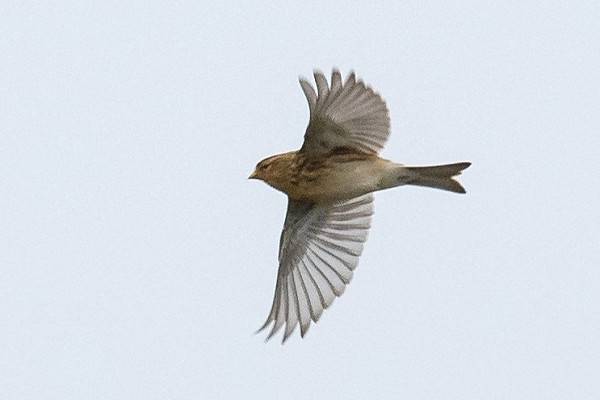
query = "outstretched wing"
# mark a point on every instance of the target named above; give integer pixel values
(344, 115)
(318, 252)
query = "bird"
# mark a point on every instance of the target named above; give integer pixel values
(329, 183)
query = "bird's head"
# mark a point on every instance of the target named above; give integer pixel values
(264, 169)
(273, 170)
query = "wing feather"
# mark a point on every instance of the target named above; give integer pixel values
(319, 250)
(346, 114)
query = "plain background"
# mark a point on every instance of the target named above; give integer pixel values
(136, 259)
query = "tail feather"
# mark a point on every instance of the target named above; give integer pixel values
(439, 176)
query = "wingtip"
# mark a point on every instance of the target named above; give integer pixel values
(351, 77)
(262, 328)
(304, 329)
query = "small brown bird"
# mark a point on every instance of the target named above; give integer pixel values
(329, 182)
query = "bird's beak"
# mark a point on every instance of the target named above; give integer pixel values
(253, 175)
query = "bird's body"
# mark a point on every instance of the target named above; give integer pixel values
(329, 182)
(328, 178)
(342, 174)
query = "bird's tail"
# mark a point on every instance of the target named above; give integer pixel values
(437, 176)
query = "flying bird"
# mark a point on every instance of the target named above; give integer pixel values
(329, 183)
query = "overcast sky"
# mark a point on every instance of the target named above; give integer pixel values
(137, 260)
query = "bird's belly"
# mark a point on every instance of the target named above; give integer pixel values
(341, 181)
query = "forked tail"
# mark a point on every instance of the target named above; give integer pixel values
(438, 176)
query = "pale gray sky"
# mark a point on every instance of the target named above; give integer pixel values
(136, 260)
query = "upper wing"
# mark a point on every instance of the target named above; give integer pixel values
(318, 251)
(344, 115)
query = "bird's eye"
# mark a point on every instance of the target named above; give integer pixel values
(264, 167)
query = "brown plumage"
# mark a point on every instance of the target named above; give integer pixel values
(329, 182)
